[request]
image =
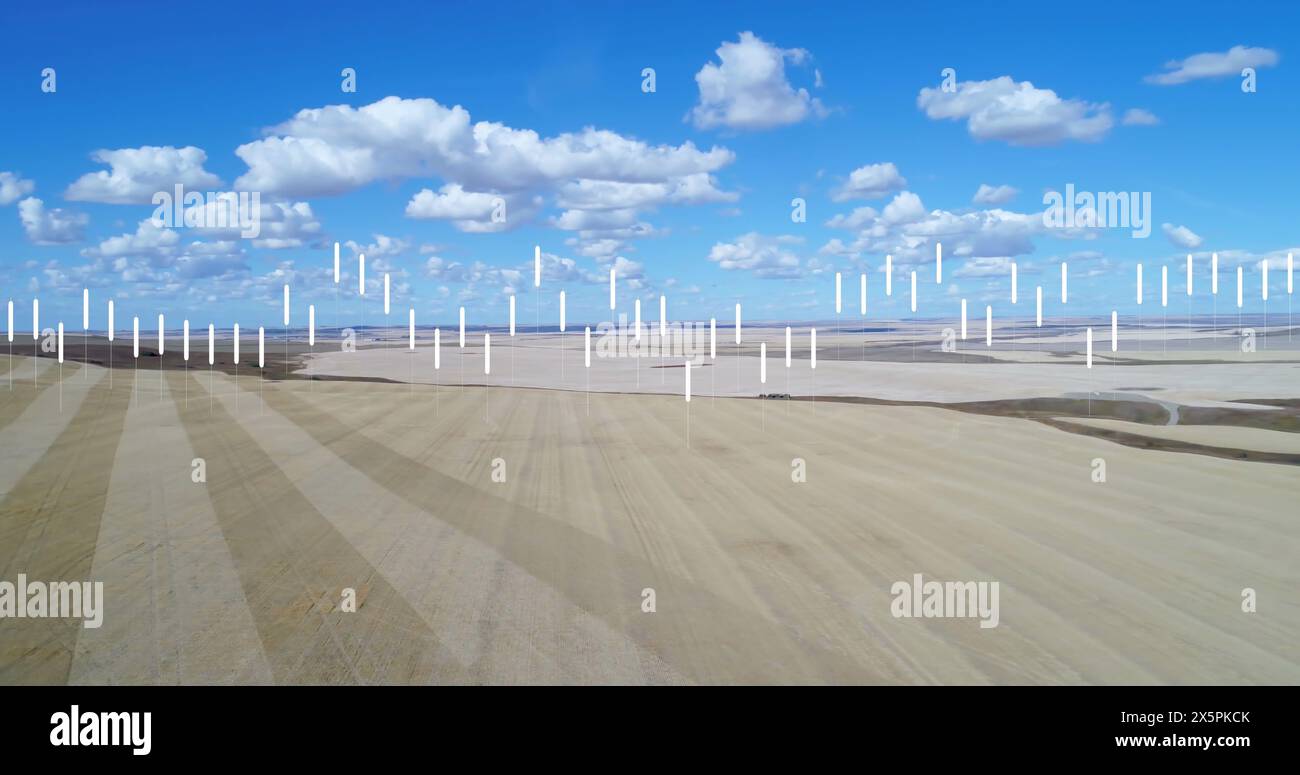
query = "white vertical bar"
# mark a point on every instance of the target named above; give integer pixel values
(1114, 330)
(410, 328)
(1264, 280)
(185, 340)
(663, 318)
(762, 363)
(1164, 286)
(1038, 314)
(537, 266)
(812, 348)
(713, 337)
(85, 309)
(562, 311)
(261, 347)
(938, 262)
(386, 294)
(36, 319)
(161, 338)
(311, 325)
(60, 341)
(862, 294)
(637, 331)
(837, 293)
(914, 290)
(1139, 284)
(437, 348)
(1239, 285)
(487, 350)
(135, 337)
(361, 273)
(688, 380)
(512, 315)
(236, 344)
(611, 288)
(1189, 274)
(212, 337)
(462, 327)
(1064, 283)
(1290, 274)
(889, 275)
(336, 263)
(963, 320)
(1090, 347)
(737, 322)
(988, 326)
(787, 347)
(9, 330)
(1214, 273)
(586, 346)
(286, 305)
(1013, 282)
(110, 320)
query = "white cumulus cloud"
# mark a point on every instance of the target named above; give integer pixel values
(1017, 112)
(136, 174)
(1213, 65)
(55, 226)
(383, 246)
(994, 195)
(748, 89)
(1139, 117)
(338, 148)
(871, 181)
(150, 240)
(13, 187)
(767, 257)
(908, 232)
(472, 211)
(587, 194)
(1182, 236)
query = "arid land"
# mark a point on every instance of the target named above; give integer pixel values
(504, 527)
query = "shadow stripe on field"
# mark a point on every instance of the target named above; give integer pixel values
(178, 612)
(705, 636)
(293, 565)
(31, 419)
(13, 402)
(49, 527)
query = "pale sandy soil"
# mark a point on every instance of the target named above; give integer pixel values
(313, 487)
(552, 361)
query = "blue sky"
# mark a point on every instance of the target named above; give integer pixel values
(686, 190)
